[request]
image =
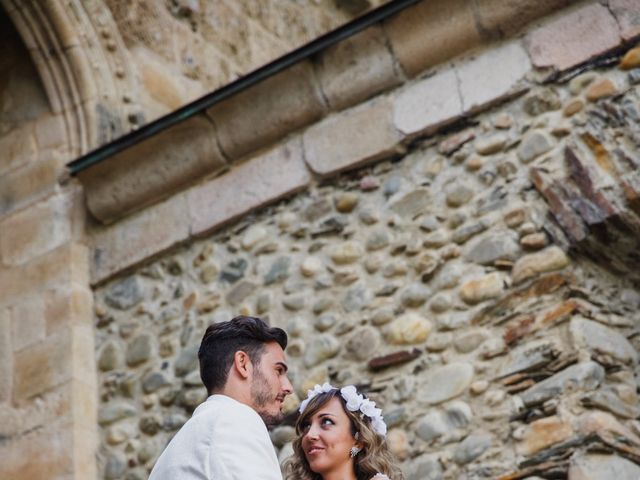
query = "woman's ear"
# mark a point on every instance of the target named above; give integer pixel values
(359, 443)
(242, 364)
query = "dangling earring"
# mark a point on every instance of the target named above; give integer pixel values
(354, 451)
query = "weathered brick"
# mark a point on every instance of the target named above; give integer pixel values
(82, 404)
(497, 18)
(67, 305)
(42, 366)
(85, 444)
(36, 230)
(356, 69)
(23, 455)
(573, 38)
(428, 104)
(27, 322)
(49, 132)
(17, 147)
(268, 111)
(351, 138)
(152, 170)
(29, 183)
(83, 367)
(6, 355)
(66, 264)
(493, 76)
(255, 183)
(66, 356)
(431, 32)
(137, 237)
(627, 13)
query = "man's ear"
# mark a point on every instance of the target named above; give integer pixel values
(242, 364)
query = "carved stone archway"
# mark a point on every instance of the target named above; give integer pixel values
(83, 65)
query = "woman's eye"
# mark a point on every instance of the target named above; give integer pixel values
(326, 421)
(305, 426)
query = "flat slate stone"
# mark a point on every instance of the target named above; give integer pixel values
(586, 376)
(602, 339)
(446, 382)
(501, 245)
(603, 467)
(472, 447)
(125, 294)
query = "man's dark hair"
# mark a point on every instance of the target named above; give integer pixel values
(222, 340)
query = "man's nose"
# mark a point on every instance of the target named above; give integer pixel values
(287, 388)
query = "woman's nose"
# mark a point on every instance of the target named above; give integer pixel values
(312, 433)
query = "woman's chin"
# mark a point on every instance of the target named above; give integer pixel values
(315, 466)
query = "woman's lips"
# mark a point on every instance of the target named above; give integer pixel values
(314, 450)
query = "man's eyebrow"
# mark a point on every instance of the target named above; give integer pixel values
(283, 365)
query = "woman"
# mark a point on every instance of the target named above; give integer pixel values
(340, 437)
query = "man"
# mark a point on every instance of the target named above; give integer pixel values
(243, 367)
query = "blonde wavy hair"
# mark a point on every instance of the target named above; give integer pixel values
(375, 456)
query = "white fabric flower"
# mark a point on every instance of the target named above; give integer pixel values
(369, 408)
(379, 426)
(303, 405)
(317, 390)
(354, 402)
(352, 397)
(380, 476)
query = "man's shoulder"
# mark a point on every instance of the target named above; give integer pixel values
(226, 407)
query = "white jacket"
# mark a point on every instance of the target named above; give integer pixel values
(223, 440)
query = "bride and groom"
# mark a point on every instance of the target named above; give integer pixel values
(340, 434)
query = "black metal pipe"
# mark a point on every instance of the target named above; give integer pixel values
(256, 76)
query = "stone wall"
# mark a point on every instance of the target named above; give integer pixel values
(451, 211)
(184, 49)
(437, 281)
(69, 83)
(47, 362)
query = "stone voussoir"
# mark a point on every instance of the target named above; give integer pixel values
(428, 104)
(497, 18)
(495, 75)
(431, 32)
(574, 38)
(255, 183)
(116, 247)
(152, 170)
(354, 137)
(268, 111)
(627, 13)
(356, 69)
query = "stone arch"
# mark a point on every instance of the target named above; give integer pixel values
(83, 64)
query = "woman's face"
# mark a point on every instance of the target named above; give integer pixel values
(327, 439)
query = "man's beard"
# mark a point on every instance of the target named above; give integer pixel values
(262, 396)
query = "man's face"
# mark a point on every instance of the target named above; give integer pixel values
(270, 385)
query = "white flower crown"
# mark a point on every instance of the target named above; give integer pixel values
(355, 402)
